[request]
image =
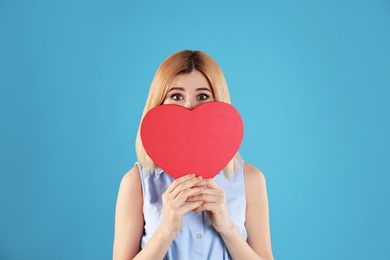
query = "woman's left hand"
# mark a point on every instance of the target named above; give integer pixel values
(214, 203)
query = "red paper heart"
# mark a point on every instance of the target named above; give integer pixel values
(200, 141)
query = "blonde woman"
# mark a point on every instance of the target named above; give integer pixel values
(157, 217)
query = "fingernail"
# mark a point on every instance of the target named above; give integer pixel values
(199, 177)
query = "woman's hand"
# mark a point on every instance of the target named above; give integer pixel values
(214, 203)
(174, 198)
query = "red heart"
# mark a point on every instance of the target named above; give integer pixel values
(200, 141)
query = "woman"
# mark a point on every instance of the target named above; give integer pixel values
(191, 218)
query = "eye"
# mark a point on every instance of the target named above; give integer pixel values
(177, 97)
(203, 97)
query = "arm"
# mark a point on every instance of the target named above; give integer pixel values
(258, 244)
(129, 220)
(257, 215)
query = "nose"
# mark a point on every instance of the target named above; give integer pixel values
(190, 104)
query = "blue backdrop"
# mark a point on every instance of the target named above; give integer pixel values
(310, 78)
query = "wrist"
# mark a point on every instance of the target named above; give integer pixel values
(165, 233)
(228, 229)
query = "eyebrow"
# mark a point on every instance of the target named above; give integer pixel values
(182, 89)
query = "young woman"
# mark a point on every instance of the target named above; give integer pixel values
(157, 217)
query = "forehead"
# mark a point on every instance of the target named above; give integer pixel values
(193, 79)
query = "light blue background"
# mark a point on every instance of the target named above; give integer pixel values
(310, 78)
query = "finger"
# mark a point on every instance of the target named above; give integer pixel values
(178, 181)
(186, 185)
(207, 206)
(210, 183)
(190, 206)
(182, 197)
(204, 197)
(211, 191)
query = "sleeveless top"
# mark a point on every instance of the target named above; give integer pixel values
(197, 239)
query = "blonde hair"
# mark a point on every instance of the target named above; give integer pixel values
(183, 62)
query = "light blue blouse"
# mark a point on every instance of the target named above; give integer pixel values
(197, 238)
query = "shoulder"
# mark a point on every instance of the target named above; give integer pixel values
(131, 177)
(252, 175)
(255, 184)
(130, 186)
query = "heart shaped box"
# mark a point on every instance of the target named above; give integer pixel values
(200, 141)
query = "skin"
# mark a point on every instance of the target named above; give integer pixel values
(191, 90)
